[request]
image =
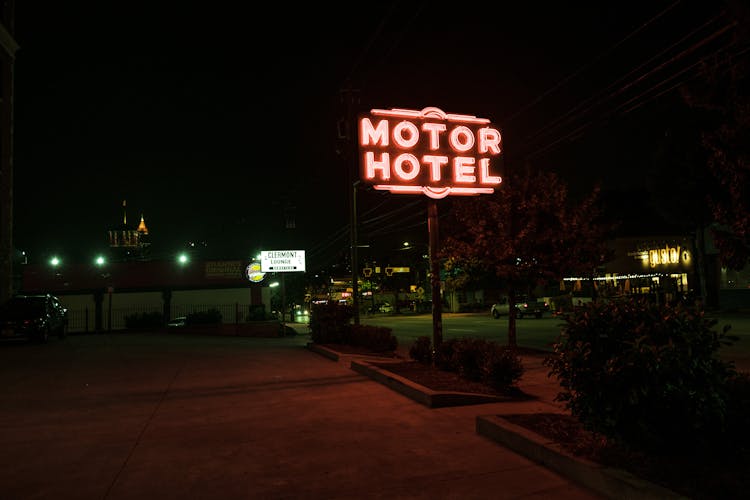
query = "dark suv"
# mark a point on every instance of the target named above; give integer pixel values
(33, 317)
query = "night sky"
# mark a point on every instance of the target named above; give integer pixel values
(216, 121)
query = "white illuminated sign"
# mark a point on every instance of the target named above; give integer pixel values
(282, 261)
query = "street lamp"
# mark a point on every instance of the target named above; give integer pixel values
(182, 259)
(54, 261)
(99, 261)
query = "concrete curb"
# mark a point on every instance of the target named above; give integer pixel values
(338, 356)
(608, 481)
(323, 351)
(420, 393)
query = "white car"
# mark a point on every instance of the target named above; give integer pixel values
(524, 307)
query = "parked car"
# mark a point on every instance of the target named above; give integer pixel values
(177, 322)
(33, 317)
(525, 306)
(500, 308)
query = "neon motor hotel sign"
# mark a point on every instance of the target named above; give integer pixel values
(429, 151)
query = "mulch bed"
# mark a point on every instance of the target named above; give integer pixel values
(698, 477)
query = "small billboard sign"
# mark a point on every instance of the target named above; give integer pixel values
(282, 261)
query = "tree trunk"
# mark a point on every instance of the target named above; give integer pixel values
(512, 317)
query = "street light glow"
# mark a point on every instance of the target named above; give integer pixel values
(99, 260)
(54, 261)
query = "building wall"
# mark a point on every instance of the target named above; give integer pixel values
(232, 303)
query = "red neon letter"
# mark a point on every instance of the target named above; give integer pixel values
(411, 130)
(461, 139)
(398, 166)
(489, 140)
(383, 165)
(463, 169)
(484, 173)
(373, 135)
(433, 132)
(435, 162)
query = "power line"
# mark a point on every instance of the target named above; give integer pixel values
(590, 63)
(683, 54)
(599, 99)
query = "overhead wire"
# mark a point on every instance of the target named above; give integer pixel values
(633, 100)
(599, 97)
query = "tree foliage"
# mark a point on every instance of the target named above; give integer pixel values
(528, 232)
(722, 94)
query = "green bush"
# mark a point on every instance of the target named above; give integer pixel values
(737, 436)
(207, 317)
(421, 350)
(373, 338)
(469, 357)
(330, 323)
(144, 320)
(444, 358)
(480, 360)
(256, 312)
(643, 374)
(502, 367)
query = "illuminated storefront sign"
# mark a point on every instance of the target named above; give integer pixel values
(429, 151)
(665, 256)
(254, 273)
(275, 261)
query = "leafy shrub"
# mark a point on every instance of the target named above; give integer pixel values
(643, 374)
(502, 367)
(469, 357)
(738, 411)
(330, 323)
(421, 350)
(207, 317)
(444, 358)
(144, 320)
(256, 312)
(374, 338)
(498, 366)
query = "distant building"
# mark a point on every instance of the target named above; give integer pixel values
(128, 243)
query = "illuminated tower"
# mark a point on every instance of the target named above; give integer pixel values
(127, 243)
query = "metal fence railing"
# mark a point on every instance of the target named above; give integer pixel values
(83, 320)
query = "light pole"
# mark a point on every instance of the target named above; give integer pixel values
(354, 254)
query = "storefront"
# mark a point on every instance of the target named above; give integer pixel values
(660, 268)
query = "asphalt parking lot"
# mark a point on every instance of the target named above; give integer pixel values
(188, 416)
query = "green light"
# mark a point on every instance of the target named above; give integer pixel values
(99, 260)
(182, 259)
(54, 262)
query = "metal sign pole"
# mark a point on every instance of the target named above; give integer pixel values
(437, 302)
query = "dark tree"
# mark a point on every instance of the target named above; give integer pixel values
(722, 95)
(529, 232)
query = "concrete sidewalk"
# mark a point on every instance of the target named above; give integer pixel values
(174, 416)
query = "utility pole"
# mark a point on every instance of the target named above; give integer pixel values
(355, 254)
(437, 300)
(348, 132)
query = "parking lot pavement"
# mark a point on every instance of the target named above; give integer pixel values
(176, 416)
